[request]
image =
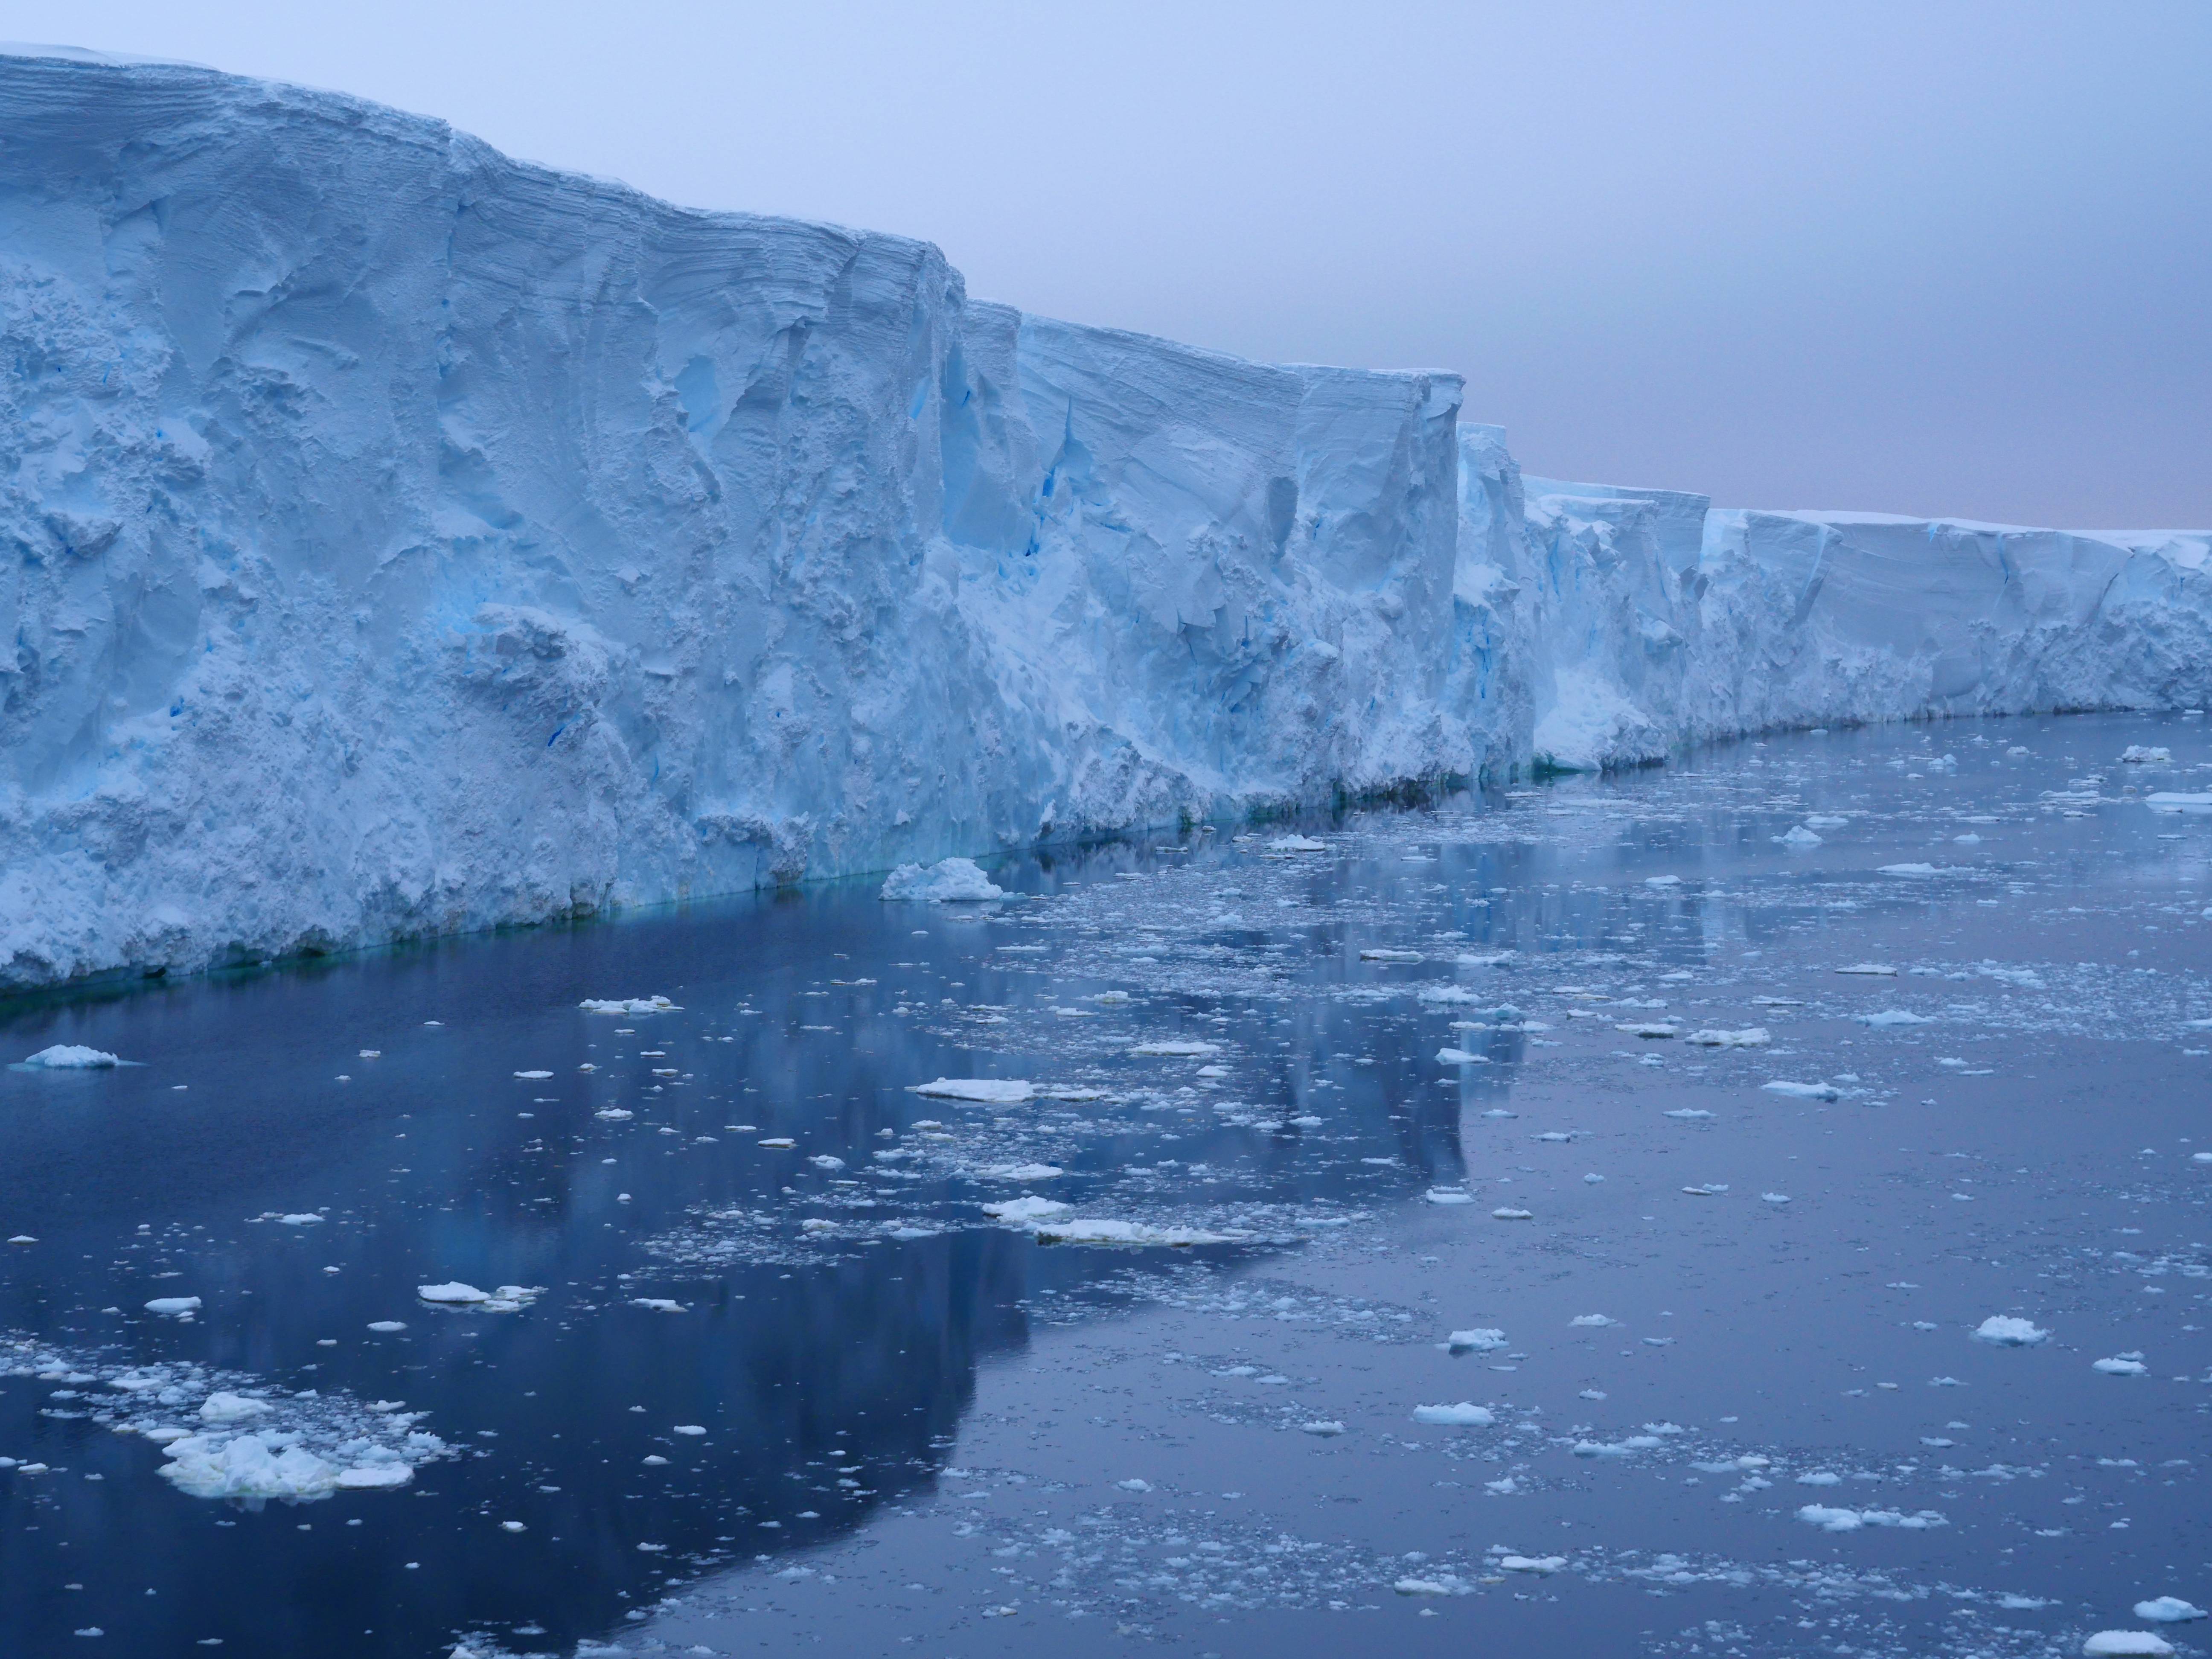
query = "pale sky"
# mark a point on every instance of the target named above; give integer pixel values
(1923, 257)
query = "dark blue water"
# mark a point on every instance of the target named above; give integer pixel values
(2015, 1135)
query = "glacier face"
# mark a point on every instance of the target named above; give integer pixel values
(404, 539)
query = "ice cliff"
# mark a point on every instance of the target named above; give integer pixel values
(400, 539)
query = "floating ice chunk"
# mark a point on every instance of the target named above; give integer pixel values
(2168, 1610)
(2004, 1331)
(774, 1143)
(171, 1306)
(1801, 838)
(694, 1429)
(385, 1326)
(1539, 1564)
(2144, 754)
(1324, 1429)
(1881, 968)
(1480, 1341)
(2168, 800)
(658, 1305)
(949, 881)
(1022, 1211)
(72, 1057)
(825, 1161)
(1751, 1036)
(1177, 1048)
(1803, 1090)
(374, 1477)
(2126, 1364)
(533, 1076)
(1464, 1415)
(1882, 1018)
(1135, 1233)
(221, 1408)
(299, 1219)
(2126, 1645)
(506, 1299)
(249, 1465)
(1460, 1057)
(1819, 1478)
(1911, 870)
(1837, 1520)
(1593, 1321)
(1486, 958)
(1021, 1172)
(1507, 1213)
(1692, 1114)
(1556, 1135)
(1134, 1485)
(1431, 1587)
(628, 1005)
(1389, 956)
(1658, 1029)
(1297, 844)
(1774, 1197)
(1662, 881)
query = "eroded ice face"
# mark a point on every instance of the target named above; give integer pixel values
(1087, 1254)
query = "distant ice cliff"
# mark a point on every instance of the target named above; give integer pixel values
(402, 540)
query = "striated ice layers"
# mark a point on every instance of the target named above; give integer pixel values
(400, 539)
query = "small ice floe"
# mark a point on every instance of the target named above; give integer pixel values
(1022, 1211)
(1431, 1587)
(1751, 1036)
(534, 1076)
(1881, 968)
(1176, 1048)
(1389, 956)
(1325, 1429)
(1507, 1213)
(1460, 1057)
(2144, 754)
(825, 1161)
(1801, 838)
(387, 1327)
(1297, 844)
(1688, 1113)
(1803, 1090)
(984, 1090)
(1537, 1564)
(1134, 1485)
(1662, 881)
(2168, 800)
(1835, 1520)
(220, 1407)
(1653, 1029)
(1774, 1197)
(1909, 870)
(1883, 1018)
(1021, 1172)
(1708, 1191)
(1464, 1415)
(1131, 1233)
(2126, 1645)
(1595, 1321)
(777, 1143)
(949, 881)
(174, 1307)
(660, 1304)
(274, 1465)
(2004, 1330)
(2123, 1365)
(1486, 958)
(455, 1295)
(1480, 1341)
(1556, 1135)
(628, 1005)
(72, 1057)
(2168, 1610)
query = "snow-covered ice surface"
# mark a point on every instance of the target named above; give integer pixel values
(563, 550)
(767, 1339)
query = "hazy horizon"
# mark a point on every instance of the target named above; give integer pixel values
(1940, 264)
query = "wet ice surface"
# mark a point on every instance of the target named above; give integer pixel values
(723, 1351)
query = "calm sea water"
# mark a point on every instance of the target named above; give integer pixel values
(758, 1397)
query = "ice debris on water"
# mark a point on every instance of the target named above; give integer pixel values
(949, 881)
(172, 1307)
(2126, 1645)
(2125, 1364)
(1464, 1415)
(987, 1091)
(1020, 1171)
(1132, 1233)
(1482, 1339)
(2004, 1331)
(1176, 1048)
(1882, 1018)
(2140, 754)
(1803, 1090)
(1751, 1036)
(1841, 1520)
(628, 1005)
(1297, 844)
(72, 1057)
(456, 1295)
(2168, 1610)
(1021, 1211)
(1880, 968)
(1507, 1213)
(1459, 1057)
